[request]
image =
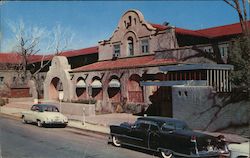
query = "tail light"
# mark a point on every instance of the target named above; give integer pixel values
(221, 138)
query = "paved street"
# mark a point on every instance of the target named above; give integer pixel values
(28, 141)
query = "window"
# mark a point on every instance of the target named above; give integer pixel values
(154, 128)
(1, 80)
(143, 126)
(130, 46)
(223, 50)
(144, 46)
(117, 50)
(168, 126)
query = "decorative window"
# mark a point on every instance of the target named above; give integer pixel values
(116, 50)
(130, 46)
(145, 46)
(223, 50)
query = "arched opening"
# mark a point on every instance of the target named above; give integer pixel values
(114, 90)
(130, 46)
(96, 88)
(135, 91)
(54, 88)
(81, 92)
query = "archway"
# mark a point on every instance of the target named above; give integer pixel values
(96, 87)
(135, 91)
(114, 89)
(58, 74)
(54, 88)
(81, 91)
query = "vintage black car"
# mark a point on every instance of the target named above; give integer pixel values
(169, 137)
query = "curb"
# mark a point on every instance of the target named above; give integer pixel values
(90, 132)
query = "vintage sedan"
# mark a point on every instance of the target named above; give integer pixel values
(44, 114)
(169, 137)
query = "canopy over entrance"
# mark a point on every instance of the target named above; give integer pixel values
(114, 83)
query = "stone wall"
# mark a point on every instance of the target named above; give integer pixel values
(76, 111)
(202, 108)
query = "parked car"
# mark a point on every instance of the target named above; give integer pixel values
(44, 114)
(169, 137)
(239, 150)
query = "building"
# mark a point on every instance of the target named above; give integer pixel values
(138, 53)
(154, 69)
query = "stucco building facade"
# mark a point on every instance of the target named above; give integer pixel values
(138, 56)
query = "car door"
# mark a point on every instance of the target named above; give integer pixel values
(35, 113)
(153, 137)
(139, 134)
(29, 114)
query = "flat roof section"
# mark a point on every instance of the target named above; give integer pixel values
(183, 67)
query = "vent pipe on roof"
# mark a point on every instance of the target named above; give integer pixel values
(165, 23)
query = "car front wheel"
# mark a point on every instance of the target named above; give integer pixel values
(166, 154)
(115, 141)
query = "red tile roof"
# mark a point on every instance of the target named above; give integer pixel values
(188, 32)
(70, 53)
(11, 58)
(123, 63)
(159, 27)
(14, 58)
(213, 32)
(225, 30)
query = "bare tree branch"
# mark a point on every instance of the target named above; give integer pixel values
(230, 4)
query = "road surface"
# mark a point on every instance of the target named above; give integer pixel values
(29, 141)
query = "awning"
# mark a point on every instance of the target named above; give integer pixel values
(114, 83)
(96, 84)
(81, 84)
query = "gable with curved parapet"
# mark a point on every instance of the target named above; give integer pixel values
(134, 36)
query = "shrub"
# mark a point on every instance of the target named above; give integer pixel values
(3, 101)
(81, 101)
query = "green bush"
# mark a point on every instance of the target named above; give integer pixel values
(81, 101)
(3, 101)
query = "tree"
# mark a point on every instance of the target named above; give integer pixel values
(242, 13)
(239, 56)
(29, 42)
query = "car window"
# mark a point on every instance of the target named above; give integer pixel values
(142, 126)
(154, 127)
(168, 126)
(180, 125)
(51, 109)
(174, 126)
(33, 108)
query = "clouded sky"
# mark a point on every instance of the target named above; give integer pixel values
(93, 21)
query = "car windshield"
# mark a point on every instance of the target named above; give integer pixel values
(50, 109)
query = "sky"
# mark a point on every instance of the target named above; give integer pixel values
(93, 21)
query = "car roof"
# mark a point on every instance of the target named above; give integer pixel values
(160, 120)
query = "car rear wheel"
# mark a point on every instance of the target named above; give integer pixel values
(39, 123)
(23, 120)
(166, 154)
(115, 141)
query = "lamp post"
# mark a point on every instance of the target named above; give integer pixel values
(61, 94)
